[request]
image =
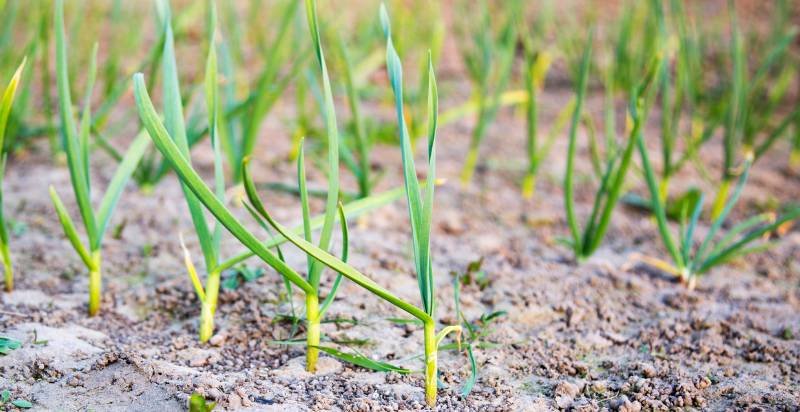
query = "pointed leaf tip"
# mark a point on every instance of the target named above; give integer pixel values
(385, 22)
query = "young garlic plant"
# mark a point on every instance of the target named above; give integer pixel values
(210, 239)
(313, 310)
(677, 91)
(169, 138)
(489, 59)
(16, 19)
(537, 63)
(205, 195)
(360, 167)
(612, 179)
(240, 120)
(420, 211)
(538, 59)
(420, 215)
(753, 100)
(5, 110)
(743, 238)
(76, 146)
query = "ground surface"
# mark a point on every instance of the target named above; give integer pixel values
(609, 333)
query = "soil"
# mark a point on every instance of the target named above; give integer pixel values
(609, 333)
(606, 334)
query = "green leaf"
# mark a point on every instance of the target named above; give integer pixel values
(8, 344)
(742, 227)
(212, 107)
(362, 170)
(5, 396)
(124, 171)
(717, 225)
(333, 262)
(688, 237)
(569, 191)
(304, 206)
(269, 87)
(21, 403)
(5, 110)
(345, 253)
(473, 376)
(243, 274)
(363, 361)
(69, 228)
(7, 101)
(197, 403)
(192, 180)
(353, 209)
(419, 212)
(403, 321)
(738, 247)
(86, 117)
(329, 114)
(69, 130)
(176, 129)
(657, 205)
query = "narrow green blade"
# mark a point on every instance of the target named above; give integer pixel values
(569, 190)
(86, 117)
(345, 253)
(124, 171)
(69, 228)
(738, 248)
(329, 114)
(69, 130)
(395, 71)
(192, 180)
(363, 361)
(176, 130)
(343, 268)
(212, 107)
(7, 101)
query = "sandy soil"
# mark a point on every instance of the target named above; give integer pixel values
(609, 334)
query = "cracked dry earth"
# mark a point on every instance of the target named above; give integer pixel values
(609, 334)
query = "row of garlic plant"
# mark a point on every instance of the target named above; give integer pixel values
(420, 208)
(173, 142)
(676, 92)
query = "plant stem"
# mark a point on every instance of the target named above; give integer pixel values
(721, 199)
(692, 282)
(663, 189)
(95, 283)
(529, 185)
(9, 274)
(209, 307)
(430, 363)
(686, 276)
(469, 164)
(313, 331)
(794, 160)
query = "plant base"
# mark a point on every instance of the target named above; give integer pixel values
(794, 162)
(430, 364)
(721, 199)
(312, 333)
(469, 165)
(9, 272)
(206, 322)
(529, 186)
(209, 307)
(95, 285)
